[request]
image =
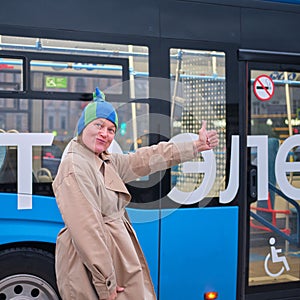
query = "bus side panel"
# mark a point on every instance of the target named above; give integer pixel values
(39, 224)
(199, 253)
(146, 225)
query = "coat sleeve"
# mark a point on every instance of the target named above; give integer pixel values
(148, 160)
(76, 197)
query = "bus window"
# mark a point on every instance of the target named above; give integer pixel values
(59, 117)
(198, 93)
(11, 74)
(78, 77)
(71, 72)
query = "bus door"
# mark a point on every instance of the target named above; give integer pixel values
(273, 148)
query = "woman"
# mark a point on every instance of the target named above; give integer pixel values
(98, 255)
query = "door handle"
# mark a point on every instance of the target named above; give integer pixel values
(252, 188)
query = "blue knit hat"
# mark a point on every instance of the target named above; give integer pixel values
(99, 108)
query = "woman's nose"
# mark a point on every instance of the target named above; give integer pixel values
(103, 131)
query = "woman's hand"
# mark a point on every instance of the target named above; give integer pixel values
(114, 295)
(207, 140)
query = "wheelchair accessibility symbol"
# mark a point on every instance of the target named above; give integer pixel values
(275, 259)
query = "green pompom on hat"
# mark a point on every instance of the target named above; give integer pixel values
(99, 108)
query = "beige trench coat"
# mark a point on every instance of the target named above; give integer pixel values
(98, 247)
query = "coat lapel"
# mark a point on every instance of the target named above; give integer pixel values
(112, 180)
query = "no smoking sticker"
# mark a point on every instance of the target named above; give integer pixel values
(263, 87)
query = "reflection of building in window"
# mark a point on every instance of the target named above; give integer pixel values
(2, 122)
(63, 123)
(19, 122)
(50, 122)
(23, 104)
(80, 85)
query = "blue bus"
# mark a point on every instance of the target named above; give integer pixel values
(224, 226)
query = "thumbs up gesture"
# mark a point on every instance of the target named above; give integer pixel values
(207, 140)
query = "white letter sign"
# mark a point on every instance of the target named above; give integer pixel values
(24, 143)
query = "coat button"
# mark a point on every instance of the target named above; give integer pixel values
(108, 283)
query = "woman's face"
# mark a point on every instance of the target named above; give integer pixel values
(98, 135)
